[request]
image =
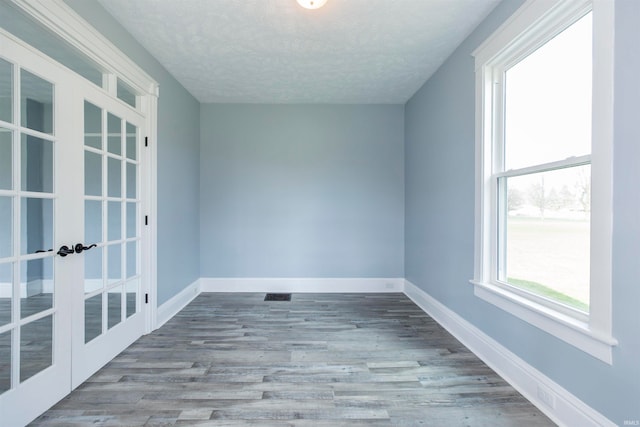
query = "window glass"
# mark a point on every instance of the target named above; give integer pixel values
(547, 234)
(544, 216)
(544, 115)
(125, 94)
(548, 100)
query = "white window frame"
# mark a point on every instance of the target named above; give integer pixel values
(534, 24)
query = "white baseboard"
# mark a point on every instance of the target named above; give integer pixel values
(302, 285)
(170, 308)
(557, 403)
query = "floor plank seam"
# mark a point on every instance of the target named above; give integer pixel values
(317, 360)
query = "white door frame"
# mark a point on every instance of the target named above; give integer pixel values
(63, 21)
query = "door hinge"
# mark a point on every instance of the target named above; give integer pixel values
(146, 141)
(146, 298)
(146, 220)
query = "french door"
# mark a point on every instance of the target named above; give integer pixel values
(70, 230)
(108, 316)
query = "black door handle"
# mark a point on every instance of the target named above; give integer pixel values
(64, 251)
(80, 247)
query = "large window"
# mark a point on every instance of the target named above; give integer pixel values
(544, 171)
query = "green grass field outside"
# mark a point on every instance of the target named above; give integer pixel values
(545, 291)
(551, 258)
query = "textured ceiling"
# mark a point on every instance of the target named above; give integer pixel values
(274, 51)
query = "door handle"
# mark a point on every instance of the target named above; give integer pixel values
(64, 251)
(80, 247)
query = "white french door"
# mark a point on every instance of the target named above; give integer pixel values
(109, 315)
(70, 230)
(35, 315)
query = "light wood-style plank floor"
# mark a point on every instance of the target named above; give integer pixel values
(319, 360)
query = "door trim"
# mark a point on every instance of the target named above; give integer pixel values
(62, 20)
(57, 16)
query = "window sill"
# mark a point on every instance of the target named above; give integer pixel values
(561, 326)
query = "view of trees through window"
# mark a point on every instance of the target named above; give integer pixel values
(545, 209)
(548, 233)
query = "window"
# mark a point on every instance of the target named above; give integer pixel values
(543, 197)
(126, 94)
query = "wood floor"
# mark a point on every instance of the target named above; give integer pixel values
(318, 360)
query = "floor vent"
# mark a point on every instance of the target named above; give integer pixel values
(278, 297)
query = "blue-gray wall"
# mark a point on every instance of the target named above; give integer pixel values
(302, 191)
(178, 165)
(439, 226)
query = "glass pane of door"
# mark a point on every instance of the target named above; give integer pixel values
(35, 286)
(114, 303)
(36, 225)
(114, 140)
(27, 220)
(112, 278)
(36, 103)
(5, 361)
(6, 226)
(6, 157)
(92, 317)
(92, 174)
(36, 167)
(6, 293)
(92, 126)
(36, 347)
(6, 91)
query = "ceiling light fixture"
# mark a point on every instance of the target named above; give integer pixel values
(311, 4)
